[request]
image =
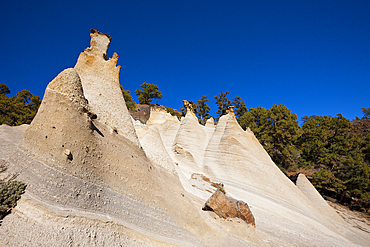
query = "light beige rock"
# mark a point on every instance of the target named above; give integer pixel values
(210, 122)
(314, 196)
(100, 82)
(156, 151)
(167, 125)
(105, 176)
(236, 158)
(189, 108)
(184, 145)
(141, 129)
(159, 116)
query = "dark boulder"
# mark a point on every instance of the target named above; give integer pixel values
(227, 207)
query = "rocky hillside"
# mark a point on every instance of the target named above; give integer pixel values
(97, 177)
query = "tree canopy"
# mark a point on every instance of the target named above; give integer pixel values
(239, 106)
(366, 112)
(202, 108)
(147, 93)
(130, 103)
(328, 145)
(4, 90)
(276, 129)
(19, 109)
(222, 103)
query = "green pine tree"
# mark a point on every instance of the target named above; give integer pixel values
(130, 103)
(222, 103)
(202, 109)
(147, 93)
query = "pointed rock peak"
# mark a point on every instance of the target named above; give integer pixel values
(188, 106)
(248, 130)
(68, 82)
(231, 118)
(189, 109)
(94, 31)
(223, 119)
(100, 81)
(99, 42)
(231, 110)
(210, 122)
(190, 114)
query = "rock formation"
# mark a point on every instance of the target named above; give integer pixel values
(204, 183)
(141, 113)
(227, 207)
(156, 151)
(229, 155)
(74, 160)
(311, 193)
(184, 148)
(93, 181)
(100, 82)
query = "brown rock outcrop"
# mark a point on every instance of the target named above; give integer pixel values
(141, 113)
(227, 207)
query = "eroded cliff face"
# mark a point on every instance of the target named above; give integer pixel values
(91, 182)
(100, 82)
(228, 155)
(81, 155)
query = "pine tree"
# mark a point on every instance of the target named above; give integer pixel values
(17, 110)
(130, 103)
(4, 90)
(276, 129)
(222, 103)
(328, 145)
(366, 112)
(239, 106)
(147, 93)
(202, 109)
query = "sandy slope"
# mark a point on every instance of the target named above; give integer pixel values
(42, 220)
(284, 215)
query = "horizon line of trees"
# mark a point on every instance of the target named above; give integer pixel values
(336, 154)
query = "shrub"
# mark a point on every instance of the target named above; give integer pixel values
(10, 190)
(10, 193)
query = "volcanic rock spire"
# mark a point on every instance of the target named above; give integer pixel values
(100, 82)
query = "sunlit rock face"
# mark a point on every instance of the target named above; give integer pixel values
(99, 43)
(184, 146)
(167, 125)
(156, 151)
(66, 135)
(90, 182)
(78, 157)
(100, 82)
(226, 154)
(314, 196)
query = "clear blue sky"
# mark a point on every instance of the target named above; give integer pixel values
(312, 56)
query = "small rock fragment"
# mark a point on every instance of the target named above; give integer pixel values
(68, 153)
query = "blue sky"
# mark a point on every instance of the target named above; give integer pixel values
(312, 56)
